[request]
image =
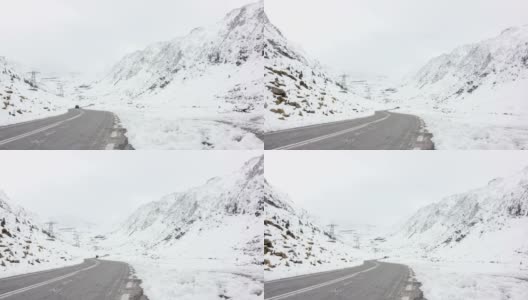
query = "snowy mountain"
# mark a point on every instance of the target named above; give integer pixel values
(497, 66)
(22, 99)
(295, 244)
(230, 46)
(486, 224)
(236, 197)
(207, 84)
(27, 245)
(300, 91)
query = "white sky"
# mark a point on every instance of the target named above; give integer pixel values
(105, 187)
(382, 187)
(91, 35)
(386, 36)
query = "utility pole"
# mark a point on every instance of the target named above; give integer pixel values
(61, 89)
(33, 81)
(332, 230)
(344, 81)
(77, 240)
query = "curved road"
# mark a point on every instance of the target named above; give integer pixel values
(385, 130)
(91, 280)
(373, 280)
(78, 129)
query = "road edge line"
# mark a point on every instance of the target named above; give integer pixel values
(27, 134)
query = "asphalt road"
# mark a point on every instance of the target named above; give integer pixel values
(78, 129)
(91, 280)
(373, 280)
(385, 130)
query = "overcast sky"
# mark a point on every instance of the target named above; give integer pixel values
(104, 187)
(91, 35)
(387, 36)
(382, 187)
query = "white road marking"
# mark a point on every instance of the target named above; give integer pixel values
(417, 148)
(29, 274)
(114, 134)
(129, 284)
(125, 297)
(309, 126)
(313, 287)
(24, 135)
(409, 287)
(405, 298)
(110, 146)
(299, 276)
(34, 286)
(331, 135)
(420, 138)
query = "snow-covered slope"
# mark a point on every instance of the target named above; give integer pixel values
(483, 225)
(207, 83)
(166, 221)
(489, 65)
(26, 246)
(21, 100)
(210, 235)
(475, 96)
(295, 244)
(300, 91)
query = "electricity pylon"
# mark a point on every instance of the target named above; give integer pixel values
(50, 228)
(34, 78)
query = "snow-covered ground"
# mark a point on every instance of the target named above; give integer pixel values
(460, 280)
(203, 265)
(191, 114)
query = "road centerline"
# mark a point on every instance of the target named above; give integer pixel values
(47, 127)
(37, 285)
(323, 284)
(331, 135)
